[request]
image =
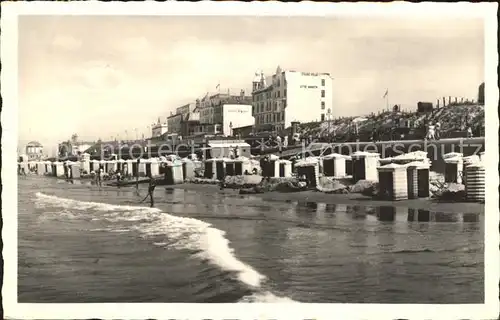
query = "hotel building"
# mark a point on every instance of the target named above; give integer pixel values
(221, 112)
(185, 121)
(289, 96)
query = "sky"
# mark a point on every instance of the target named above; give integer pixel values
(100, 76)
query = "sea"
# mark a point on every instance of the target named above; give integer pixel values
(80, 243)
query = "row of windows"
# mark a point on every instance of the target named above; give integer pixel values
(270, 117)
(268, 95)
(267, 106)
(278, 82)
(277, 94)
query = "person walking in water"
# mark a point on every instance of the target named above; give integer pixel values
(99, 177)
(151, 189)
(118, 178)
(137, 175)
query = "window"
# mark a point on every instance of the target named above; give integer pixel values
(323, 82)
(322, 117)
(322, 105)
(278, 94)
(284, 93)
(322, 93)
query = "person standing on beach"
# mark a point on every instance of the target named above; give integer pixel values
(430, 132)
(280, 145)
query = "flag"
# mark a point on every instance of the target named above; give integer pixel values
(386, 93)
(217, 86)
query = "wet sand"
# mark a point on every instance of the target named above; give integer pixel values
(348, 199)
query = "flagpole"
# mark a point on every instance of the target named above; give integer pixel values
(387, 100)
(386, 96)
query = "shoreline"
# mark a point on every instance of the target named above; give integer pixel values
(347, 199)
(355, 199)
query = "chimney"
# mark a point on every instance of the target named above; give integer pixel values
(461, 100)
(437, 106)
(449, 99)
(444, 102)
(456, 100)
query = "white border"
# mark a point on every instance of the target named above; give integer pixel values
(12, 309)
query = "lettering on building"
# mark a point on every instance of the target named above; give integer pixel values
(314, 74)
(308, 87)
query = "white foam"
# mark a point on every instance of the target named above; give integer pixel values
(186, 233)
(266, 297)
(160, 244)
(85, 205)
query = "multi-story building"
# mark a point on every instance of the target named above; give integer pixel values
(185, 121)
(158, 128)
(174, 123)
(73, 148)
(290, 96)
(34, 150)
(221, 112)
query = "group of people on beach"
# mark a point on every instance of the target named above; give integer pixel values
(433, 131)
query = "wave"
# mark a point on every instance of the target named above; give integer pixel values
(182, 233)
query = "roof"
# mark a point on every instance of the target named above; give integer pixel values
(193, 116)
(243, 127)
(391, 166)
(228, 145)
(34, 144)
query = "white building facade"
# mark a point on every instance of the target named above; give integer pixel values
(289, 96)
(236, 116)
